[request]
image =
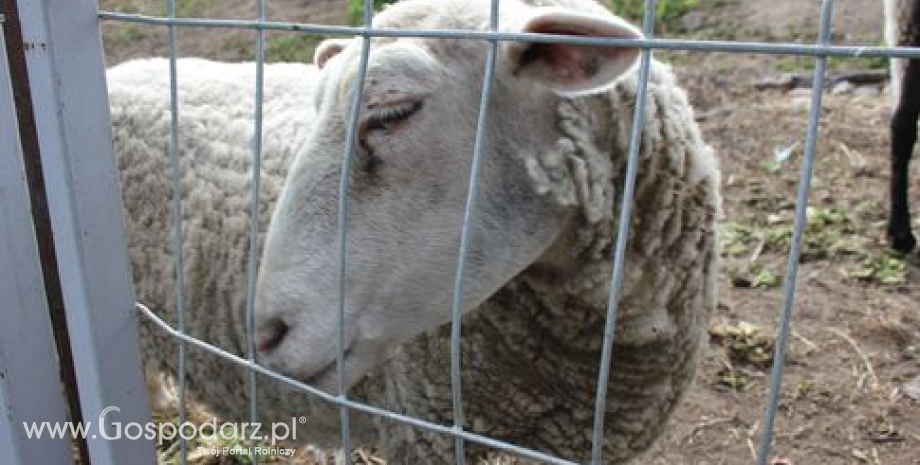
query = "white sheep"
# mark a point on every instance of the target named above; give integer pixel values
(540, 259)
(216, 117)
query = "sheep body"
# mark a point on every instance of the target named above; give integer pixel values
(216, 129)
(530, 352)
(536, 386)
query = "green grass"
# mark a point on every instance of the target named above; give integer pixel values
(668, 13)
(749, 349)
(792, 64)
(830, 234)
(192, 8)
(803, 63)
(356, 9)
(292, 47)
(123, 34)
(884, 268)
(184, 8)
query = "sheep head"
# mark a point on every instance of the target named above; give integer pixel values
(408, 183)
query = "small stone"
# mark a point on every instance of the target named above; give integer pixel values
(843, 87)
(912, 388)
(867, 91)
(801, 101)
(860, 454)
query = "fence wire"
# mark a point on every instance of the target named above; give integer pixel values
(792, 269)
(468, 212)
(821, 50)
(176, 171)
(623, 227)
(255, 187)
(342, 235)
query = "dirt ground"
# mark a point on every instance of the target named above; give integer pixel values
(847, 396)
(856, 326)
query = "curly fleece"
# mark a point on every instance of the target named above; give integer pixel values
(530, 353)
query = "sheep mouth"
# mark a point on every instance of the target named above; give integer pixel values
(325, 376)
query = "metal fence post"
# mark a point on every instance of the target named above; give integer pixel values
(67, 79)
(30, 389)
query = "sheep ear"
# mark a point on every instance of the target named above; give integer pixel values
(569, 68)
(327, 50)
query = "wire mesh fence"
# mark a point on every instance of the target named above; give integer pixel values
(493, 37)
(820, 50)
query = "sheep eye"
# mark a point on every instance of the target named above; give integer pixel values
(389, 118)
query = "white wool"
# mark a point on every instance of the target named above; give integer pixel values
(529, 352)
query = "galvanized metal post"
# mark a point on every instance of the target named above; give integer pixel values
(30, 388)
(67, 78)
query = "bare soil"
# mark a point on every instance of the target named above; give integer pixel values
(855, 342)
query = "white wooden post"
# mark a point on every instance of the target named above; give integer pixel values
(67, 80)
(30, 386)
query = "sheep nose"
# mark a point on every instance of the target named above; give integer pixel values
(269, 335)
